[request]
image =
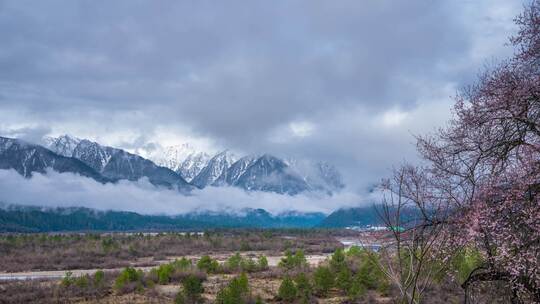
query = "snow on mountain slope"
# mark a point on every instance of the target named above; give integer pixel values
(63, 145)
(116, 163)
(271, 174)
(183, 159)
(230, 176)
(216, 166)
(26, 158)
(93, 154)
(172, 157)
(193, 165)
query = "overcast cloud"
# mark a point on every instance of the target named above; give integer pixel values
(342, 81)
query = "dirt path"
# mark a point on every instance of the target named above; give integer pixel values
(57, 274)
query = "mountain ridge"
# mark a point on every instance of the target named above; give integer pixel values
(27, 158)
(116, 164)
(264, 172)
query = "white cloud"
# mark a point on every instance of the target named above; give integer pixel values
(301, 128)
(393, 118)
(69, 190)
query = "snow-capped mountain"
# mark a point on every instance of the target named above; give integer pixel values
(103, 163)
(230, 176)
(183, 159)
(193, 165)
(93, 154)
(27, 158)
(116, 164)
(216, 166)
(271, 174)
(201, 170)
(63, 145)
(172, 157)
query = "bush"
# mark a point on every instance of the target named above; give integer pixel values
(370, 274)
(83, 286)
(287, 290)
(323, 280)
(236, 292)
(183, 263)
(129, 280)
(344, 279)
(180, 298)
(337, 261)
(192, 289)
(208, 264)
(355, 251)
(245, 264)
(357, 289)
(234, 261)
(290, 261)
(305, 290)
(68, 279)
(263, 263)
(99, 278)
(82, 281)
(164, 273)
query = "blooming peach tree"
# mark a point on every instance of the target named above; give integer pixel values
(484, 166)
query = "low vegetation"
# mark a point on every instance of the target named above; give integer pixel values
(24, 252)
(355, 275)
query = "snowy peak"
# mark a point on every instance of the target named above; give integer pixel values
(181, 164)
(230, 177)
(63, 145)
(173, 156)
(182, 159)
(193, 165)
(271, 174)
(26, 158)
(117, 164)
(216, 166)
(93, 154)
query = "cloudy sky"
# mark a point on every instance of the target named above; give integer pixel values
(344, 81)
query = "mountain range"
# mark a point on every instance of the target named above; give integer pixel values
(183, 171)
(114, 164)
(183, 168)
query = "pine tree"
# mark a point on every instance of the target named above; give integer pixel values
(287, 290)
(344, 279)
(303, 285)
(323, 280)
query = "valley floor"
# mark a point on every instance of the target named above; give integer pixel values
(154, 268)
(273, 261)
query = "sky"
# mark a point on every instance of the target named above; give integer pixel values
(349, 82)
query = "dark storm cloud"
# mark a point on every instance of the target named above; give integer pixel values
(240, 72)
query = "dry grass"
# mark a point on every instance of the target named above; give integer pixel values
(74, 251)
